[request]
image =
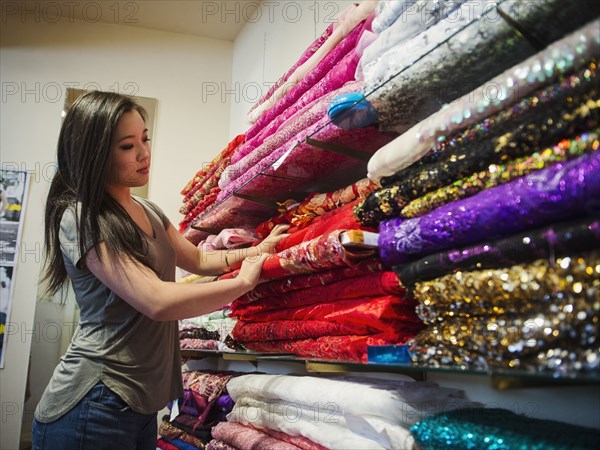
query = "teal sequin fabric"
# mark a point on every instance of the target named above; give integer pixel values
(500, 429)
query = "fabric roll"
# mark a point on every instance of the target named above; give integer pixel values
(323, 253)
(558, 134)
(283, 128)
(350, 21)
(229, 238)
(562, 57)
(246, 438)
(302, 162)
(277, 330)
(375, 312)
(310, 50)
(543, 243)
(568, 101)
(333, 348)
(341, 218)
(317, 204)
(538, 199)
(297, 440)
(206, 388)
(168, 431)
(404, 23)
(290, 92)
(389, 11)
(497, 174)
(372, 284)
(378, 430)
(215, 444)
(300, 282)
(493, 428)
(399, 401)
(520, 290)
(442, 64)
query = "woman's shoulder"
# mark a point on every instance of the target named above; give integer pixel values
(149, 205)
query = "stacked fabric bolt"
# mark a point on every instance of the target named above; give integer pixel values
(487, 209)
(500, 429)
(317, 413)
(432, 55)
(281, 131)
(201, 191)
(208, 332)
(205, 404)
(535, 316)
(325, 300)
(543, 69)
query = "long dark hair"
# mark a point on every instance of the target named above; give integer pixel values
(84, 148)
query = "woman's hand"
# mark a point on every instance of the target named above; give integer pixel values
(251, 269)
(270, 242)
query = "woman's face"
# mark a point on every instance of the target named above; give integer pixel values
(130, 152)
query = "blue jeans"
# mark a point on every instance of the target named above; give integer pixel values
(101, 420)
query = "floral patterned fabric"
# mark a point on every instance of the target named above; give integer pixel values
(318, 204)
(282, 286)
(323, 253)
(169, 431)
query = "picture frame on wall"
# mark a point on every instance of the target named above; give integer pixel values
(13, 195)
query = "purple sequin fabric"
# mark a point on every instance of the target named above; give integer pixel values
(540, 198)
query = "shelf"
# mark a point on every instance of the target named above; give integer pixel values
(499, 379)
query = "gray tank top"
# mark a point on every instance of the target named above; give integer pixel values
(136, 357)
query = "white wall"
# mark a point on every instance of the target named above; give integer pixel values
(269, 45)
(39, 60)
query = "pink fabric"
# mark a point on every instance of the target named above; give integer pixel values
(312, 48)
(303, 118)
(229, 238)
(300, 161)
(323, 68)
(246, 438)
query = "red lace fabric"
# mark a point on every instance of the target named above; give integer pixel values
(202, 190)
(373, 284)
(298, 441)
(342, 348)
(278, 287)
(246, 438)
(318, 204)
(377, 312)
(296, 329)
(323, 253)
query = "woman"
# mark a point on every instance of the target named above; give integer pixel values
(120, 253)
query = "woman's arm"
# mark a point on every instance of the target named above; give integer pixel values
(214, 262)
(159, 300)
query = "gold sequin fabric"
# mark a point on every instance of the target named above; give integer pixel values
(539, 316)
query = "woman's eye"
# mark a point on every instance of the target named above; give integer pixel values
(127, 147)
(147, 139)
